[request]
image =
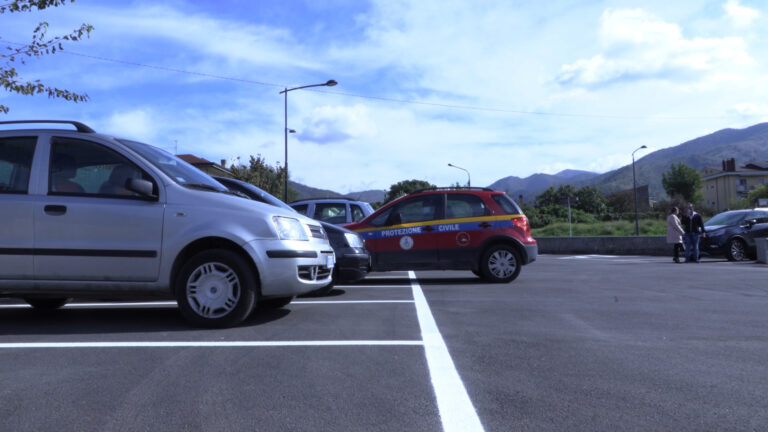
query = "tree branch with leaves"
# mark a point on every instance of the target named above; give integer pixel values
(40, 45)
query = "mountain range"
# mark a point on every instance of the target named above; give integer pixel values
(744, 145)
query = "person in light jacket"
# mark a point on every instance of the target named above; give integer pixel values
(675, 233)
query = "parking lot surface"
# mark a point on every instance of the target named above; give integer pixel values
(596, 343)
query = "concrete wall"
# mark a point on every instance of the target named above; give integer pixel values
(643, 245)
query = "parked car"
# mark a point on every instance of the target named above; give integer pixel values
(732, 234)
(93, 216)
(338, 211)
(475, 229)
(352, 258)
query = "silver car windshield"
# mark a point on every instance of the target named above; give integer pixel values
(181, 172)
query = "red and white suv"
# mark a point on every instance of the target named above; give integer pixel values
(474, 229)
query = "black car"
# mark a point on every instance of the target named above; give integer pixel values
(733, 233)
(352, 257)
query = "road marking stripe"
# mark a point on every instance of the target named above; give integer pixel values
(343, 287)
(350, 301)
(456, 410)
(173, 304)
(204, 344)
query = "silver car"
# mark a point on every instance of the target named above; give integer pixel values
(90, 215)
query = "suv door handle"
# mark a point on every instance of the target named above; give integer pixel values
(485, 225)
(55, 210)
(428, 228)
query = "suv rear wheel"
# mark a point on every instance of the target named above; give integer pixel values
(500, 264)
(216, 288)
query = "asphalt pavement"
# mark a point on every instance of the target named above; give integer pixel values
(576, 343)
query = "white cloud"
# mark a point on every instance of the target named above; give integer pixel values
(136, 124)
(639, 46)
(740, 16)
(751, 111)
(610, 162)
(329, 124)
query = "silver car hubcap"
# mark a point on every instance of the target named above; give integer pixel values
(213, 290)
(737, 250)
(502, 264)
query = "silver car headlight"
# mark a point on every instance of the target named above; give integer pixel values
(289, 228)
(354, 240)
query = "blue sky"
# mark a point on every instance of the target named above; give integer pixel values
(497, 87)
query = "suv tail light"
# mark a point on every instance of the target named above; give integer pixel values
(522, 223)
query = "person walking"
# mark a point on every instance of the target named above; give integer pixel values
(675, 233)
(693, 226)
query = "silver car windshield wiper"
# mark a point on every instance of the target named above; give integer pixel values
(203, 186)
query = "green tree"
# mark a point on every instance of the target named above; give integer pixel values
(759, 192)
(40, 45)
(556, 197)
(751, 200)
(264, 176)
(587, 199)
(405, 187)
(682, 181)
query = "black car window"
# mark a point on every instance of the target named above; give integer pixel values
(15, 163)
(465, 206)
(418, 209)
(357, 212)
(79, 167)
(381, 218)
(727, 218)
(301, 208)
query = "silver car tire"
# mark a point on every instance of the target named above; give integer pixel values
(500, 264)
(216, 288)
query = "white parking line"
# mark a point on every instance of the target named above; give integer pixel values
(349, 301)
(203, 344)
(456, 410)
(173, 304)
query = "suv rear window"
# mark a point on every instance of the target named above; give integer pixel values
(15, 163)
(331, 213)
(506, 204)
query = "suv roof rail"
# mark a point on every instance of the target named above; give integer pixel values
(324, 198)
(453, 188)
(79, 126)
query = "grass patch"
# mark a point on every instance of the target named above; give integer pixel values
(648, 227)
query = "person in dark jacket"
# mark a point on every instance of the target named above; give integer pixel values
(693, 225)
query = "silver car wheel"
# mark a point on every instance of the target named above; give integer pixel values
(502, 264)
(213, 290)
(737, 250)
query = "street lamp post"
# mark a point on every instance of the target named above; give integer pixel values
(634, 187)
(469, 180)
(329, 83)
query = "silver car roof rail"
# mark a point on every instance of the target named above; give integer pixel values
(79, 126)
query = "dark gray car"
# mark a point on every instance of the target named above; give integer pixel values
(352, 257)
(732, 234)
